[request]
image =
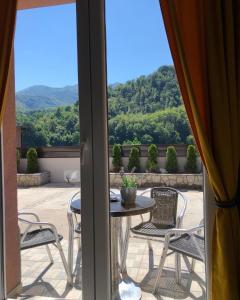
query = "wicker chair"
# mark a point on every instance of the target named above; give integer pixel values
(165, 215)
(44, 234)
(188, 243)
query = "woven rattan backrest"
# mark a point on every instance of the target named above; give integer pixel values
(166, 207)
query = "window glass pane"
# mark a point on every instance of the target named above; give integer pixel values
(151, 147)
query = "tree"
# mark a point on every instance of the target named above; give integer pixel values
(152, 163)
(171, 160)
(32, 161)
(117, 159)
(134, 161)
(191, 164)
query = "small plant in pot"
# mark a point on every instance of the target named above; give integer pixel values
(128, 190)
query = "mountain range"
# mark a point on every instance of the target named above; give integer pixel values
(39, 97)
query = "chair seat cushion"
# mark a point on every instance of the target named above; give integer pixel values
(38, 237)
(185, 245)
(151, 229)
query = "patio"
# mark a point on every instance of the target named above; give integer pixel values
(40, 279)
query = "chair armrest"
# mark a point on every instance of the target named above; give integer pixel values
(40, 224)
(29, 214)
(145, 191)
(182, 211)
(178, 231)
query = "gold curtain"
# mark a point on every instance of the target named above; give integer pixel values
(204, 38)
(7, 24)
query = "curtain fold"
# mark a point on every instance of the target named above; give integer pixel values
(204, 38)
(7, 25)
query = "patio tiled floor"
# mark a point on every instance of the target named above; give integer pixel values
(40, 279)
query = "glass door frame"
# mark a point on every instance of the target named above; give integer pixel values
(96, 271)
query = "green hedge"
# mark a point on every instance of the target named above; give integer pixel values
(117, 158)
(171, 160)
(134, 161)
(32, 160)
(191, 164)
(152, 164)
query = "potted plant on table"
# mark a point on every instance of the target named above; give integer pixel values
(128, 190)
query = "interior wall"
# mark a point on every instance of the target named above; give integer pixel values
(13, 273)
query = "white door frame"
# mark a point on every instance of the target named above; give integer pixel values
(96, 273)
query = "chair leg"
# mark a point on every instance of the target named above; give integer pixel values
(178, 267)
(150, 245)
(160, 269)
(69, 277)
(188, 264)
(49, 254)
(193, 265)
(79, 241)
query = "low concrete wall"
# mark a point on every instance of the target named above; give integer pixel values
(61, 169)
(190, 181)
(36, 179)
(68, 170)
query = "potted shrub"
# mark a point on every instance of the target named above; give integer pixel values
(191, 164)
(171, 160)
(128, 190)
(134, 161)
(117, 159)
(152, 163)
(32, 161)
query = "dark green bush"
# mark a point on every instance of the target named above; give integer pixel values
(190, 140)
(117, 159)
(18, 154)
(171, 160)
(191, 164)
(152, 163)
(32, 161)
(134, 161)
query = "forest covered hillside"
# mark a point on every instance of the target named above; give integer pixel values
(145, 110)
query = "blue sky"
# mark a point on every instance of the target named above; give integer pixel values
(46, 51)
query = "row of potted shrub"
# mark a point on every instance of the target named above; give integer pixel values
(171, 165)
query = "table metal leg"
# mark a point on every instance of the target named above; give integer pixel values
(125, 246)
(70, 242)
(121, 289)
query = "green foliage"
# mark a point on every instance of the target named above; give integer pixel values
(135, 142)
(147, 110)
(117, 159)
(129, 182)
(146, 94)
(190, 140)
(18, 154)
(32, 161)
(171, 160)
(152, 163)
(168, 126)
(191, 164)
(55, 127)
(134, 161)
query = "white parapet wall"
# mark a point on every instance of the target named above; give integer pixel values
(61, 169)
(67, 169)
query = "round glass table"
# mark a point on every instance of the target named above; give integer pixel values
(122, 286)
